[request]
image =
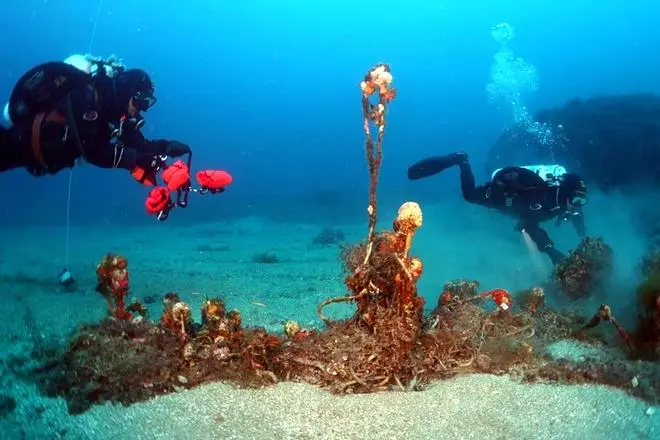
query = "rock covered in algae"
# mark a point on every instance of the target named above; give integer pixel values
(584, 270)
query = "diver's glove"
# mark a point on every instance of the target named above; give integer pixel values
(150, 162)
(146, 168)
(176, 149)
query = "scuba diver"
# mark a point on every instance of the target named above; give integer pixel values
(533, 194)
(83, 108)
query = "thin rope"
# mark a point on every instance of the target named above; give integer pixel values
(68, 198)
(68, 218)
(96, 23)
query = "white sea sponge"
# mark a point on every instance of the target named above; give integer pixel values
(409, 218)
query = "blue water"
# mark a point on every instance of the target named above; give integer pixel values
(268, 90)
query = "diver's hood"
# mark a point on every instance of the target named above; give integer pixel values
(573, 190)
(115, 93)
(109, 106)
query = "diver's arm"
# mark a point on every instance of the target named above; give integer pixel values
(541, 238)
(578, 224)
(129, 152)
(134, 139)
(143, 158)
(114, 156)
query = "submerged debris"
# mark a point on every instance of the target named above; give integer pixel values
(126, 361)
(113, 284)
(129, 361)
(584, 270)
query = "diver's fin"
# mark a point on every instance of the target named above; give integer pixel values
(433, 165)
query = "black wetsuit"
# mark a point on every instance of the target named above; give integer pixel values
(517, 192)
(531, 205)
(87, 127)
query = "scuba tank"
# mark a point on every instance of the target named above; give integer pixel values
(96, 65)
(549, 173)
(23, 102)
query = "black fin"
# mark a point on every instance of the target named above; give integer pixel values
(434, 165)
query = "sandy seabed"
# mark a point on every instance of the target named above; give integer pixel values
(217, 260)
(469, 407)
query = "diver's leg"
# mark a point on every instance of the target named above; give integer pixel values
(543, 242)
(469, 189)
(433, 165)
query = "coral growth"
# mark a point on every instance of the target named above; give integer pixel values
(222, 348)
(604, 313)
(129, 361)
(584, 270)
(138, 309)
(459, 289)
(294, 331)
(382, 274)
(114, 361)
(373, 349)
(377, 80)
(533, 298)
(176, 315)
(113, 284)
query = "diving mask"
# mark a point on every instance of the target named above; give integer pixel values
(144, 101)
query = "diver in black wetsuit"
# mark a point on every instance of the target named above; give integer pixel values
(61, 114)
(532, 196)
